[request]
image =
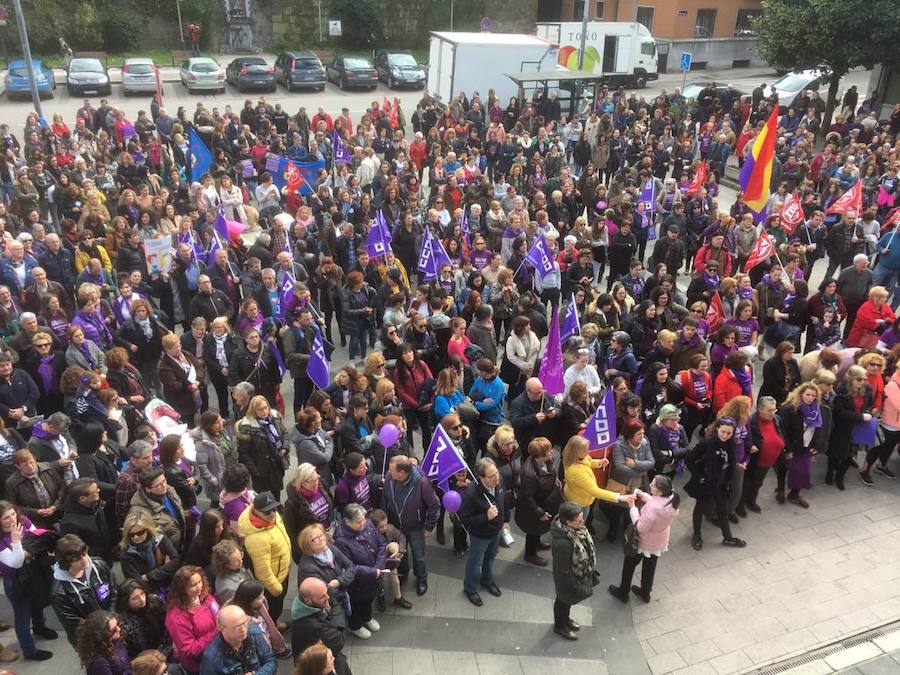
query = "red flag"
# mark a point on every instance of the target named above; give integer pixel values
(893, 220)
(763, 250)
(851, 200)
(791, 214)
(701, 175)
(293, 180)
(395, 114)
(715, 315)
(386, 107)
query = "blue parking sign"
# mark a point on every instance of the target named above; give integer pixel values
(686, 61)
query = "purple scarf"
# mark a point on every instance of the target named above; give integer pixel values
(743, 378)
(812, 415)
(745, 293)
(700, 392)
(84, 349)
(773, 285)
(693, 343)
(672, 436)
(711, 281)
(47, 373)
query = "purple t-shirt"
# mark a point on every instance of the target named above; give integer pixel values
(319, 507)
(745, 330)
(480, 259)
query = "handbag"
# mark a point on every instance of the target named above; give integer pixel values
(632, 541)
(619, 488)
(468, 413)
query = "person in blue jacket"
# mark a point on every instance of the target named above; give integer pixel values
(240, 647)
(621, 359)
(487, 395)
(887, 269)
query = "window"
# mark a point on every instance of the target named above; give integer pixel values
(645, 17)
(578, 10)
(648, 48)
(598, 10)
(706, 23)
(744, 24)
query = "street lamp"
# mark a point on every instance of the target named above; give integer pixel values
(26, 52)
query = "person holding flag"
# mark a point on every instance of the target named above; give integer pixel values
(483, 512)
(297, 338)
(887, 269)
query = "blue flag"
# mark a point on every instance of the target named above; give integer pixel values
(601, 427)
(201, 157)
(339, 150)
(442, 459)
(318, 367)
(571, 325)
(541, 257)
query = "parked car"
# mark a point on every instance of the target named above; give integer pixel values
(250, 72)
(300, 69)
(693, 90)
(202, 73)
(791, 85)
(138, 75)
(352, 71)
(87, 75)
(19, 84)
(399, 69)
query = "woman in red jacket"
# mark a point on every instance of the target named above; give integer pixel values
(696, 384)
(736, 379)
(415, 388)
(873, 316)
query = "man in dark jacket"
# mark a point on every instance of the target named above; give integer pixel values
(85, 516)
(36, 488)
(668, 250)
(297, 338)
(531, 414)
(314, 619)
(58, 262)
(413, 508)
(209, 302)
(81, 584)
(18, 393)
(482, 513)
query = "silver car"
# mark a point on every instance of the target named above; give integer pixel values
(138, 75)
(202, 73)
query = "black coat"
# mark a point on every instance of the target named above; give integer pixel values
(266, 471)
(343, 570)
(845, 418)
(49, 401)
(262, 372)
(792, 427)
(298, 516)
(73, 601)
(92, 526)
(523, 416)
(775, 371)
(327, 627)
(533, 497)
(210, 305)
(148, 349)
(166, 563)
(476, 500)
(19, 392)
(213, 367)
(570, 589)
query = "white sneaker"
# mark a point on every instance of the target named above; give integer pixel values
(363, 633)
(373, 626)
(507, 538)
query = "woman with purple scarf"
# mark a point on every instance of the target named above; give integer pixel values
(124, 300)
(84, 353)
(802, 423)
(92, 322)
(45, 366)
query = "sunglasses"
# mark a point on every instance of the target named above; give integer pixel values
(455, 427)
(136, 534)
(696, 311)
(42, 344)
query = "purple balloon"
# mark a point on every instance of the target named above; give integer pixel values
(452, 501)
(388, 435)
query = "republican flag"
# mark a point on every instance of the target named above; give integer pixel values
(286, 298)
(442, 459)
(571, 325)
(339, 150)
(715, 315)
(600, 431)
(551, 372)
(201, 157)
(761, 216)
(701, 176)
(318, 368)
(386, 107)
(851, 200)
(540, 256)
(756, 174)
(762, 251)
(792, 214)
(648, 195)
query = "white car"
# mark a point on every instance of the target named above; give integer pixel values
(790, 86)
(138, 75)
(202, 73)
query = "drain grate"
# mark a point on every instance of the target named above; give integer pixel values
(827, 650)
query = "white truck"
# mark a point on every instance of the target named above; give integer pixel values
(468, 62)
(624, 52)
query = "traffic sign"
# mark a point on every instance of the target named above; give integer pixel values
(686, 61)
(485, 24)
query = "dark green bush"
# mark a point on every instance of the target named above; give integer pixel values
(358, 19)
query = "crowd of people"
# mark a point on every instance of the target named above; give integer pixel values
(160, 550)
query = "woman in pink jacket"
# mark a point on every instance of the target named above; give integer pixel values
(652, 527)
(191, 617)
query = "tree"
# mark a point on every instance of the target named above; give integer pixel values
(830, 35)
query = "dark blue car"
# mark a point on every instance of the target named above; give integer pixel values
(18, 85)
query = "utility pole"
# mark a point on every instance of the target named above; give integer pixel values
(26, 52)
(180, 26)
(584, 23)
(451, 15)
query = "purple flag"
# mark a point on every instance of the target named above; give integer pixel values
(601, 427)
(221, 225)
(551, 372)
(273, 162)
(541, 257)
(339, 152)
(189, 238)
(864, 433)
(287, 299)
(442, 459)
(571, 325)
(381, 223)
(318, 367)
(432, 256)
(214, 246)
(279, 359)
(648, 195)
(761, 216)
(376, 245)
(128, 131)
(464, 227)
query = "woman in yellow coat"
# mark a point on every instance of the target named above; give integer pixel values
(269, 548)
(581, 485)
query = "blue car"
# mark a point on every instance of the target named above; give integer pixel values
(18, 84)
